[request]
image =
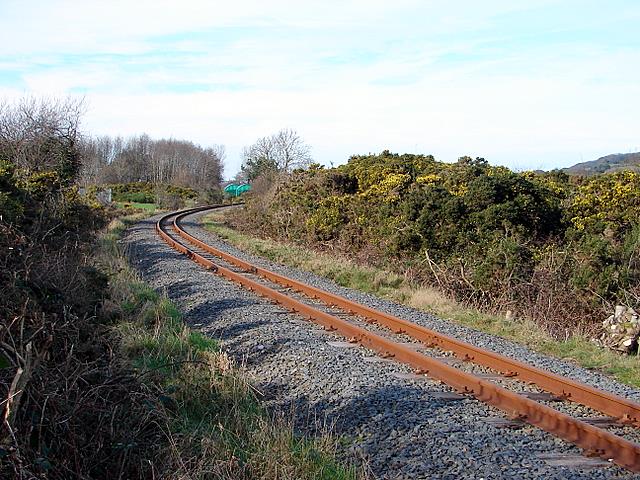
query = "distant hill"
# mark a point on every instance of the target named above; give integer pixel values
(608, 164)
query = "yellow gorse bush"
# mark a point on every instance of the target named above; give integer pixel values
(328, 216)
(389, 186)
(430, 179)
(535, 239)
(607, 201)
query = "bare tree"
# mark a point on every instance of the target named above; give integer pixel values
(185, 163)
(280, 152)
(43, 134)
(290, 150)
(140, 158)
(97, 154)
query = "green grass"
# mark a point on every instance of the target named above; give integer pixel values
(216, 427)
(150, 208)
(388, 285)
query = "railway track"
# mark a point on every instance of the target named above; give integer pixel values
(497, 380)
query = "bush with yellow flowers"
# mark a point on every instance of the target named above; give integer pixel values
(495, 237)
(607, 203)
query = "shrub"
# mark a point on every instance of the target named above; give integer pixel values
(485, 234)
(70, 409)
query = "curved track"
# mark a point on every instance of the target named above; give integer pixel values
(313, 303)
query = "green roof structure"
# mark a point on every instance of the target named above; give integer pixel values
(236, 190)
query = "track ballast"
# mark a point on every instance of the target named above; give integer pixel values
(429, 353)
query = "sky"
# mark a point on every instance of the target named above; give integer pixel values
(527, 84)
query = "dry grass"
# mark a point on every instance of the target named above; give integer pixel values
(430, 299)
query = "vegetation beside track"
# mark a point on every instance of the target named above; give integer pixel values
(562, 251)
(178, 406)
(215, 425)
(386, 284)
(147, 195)
(99, 378)
(151, 208)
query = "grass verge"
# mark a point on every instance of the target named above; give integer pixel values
(150, 208)
(215, 426)
(389, 285)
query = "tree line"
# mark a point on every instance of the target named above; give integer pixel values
(108, 160)
(49, 137)
(118, 160)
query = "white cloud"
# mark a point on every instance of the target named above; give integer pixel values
(122, 26)
(492, 119)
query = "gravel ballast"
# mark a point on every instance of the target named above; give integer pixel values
(396, 426)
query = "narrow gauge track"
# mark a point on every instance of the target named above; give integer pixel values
(594, 441)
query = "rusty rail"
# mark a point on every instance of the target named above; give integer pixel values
(593, 440)
(607, 403)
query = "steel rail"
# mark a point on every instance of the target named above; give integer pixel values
(593, 440)
(612, 405)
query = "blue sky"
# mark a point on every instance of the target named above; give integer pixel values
(527, 84)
